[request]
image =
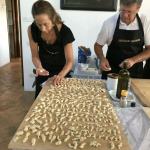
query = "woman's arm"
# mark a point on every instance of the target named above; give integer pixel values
(35, 55)
(69, 60)
(68, 66)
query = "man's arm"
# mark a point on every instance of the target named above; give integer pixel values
(104, 64)
(142, 56)
(137, 58)
(98, 51)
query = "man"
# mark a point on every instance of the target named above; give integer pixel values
(126, 34)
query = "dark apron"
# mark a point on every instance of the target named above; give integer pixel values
(146, 74)
(125, 44)
(52, 59)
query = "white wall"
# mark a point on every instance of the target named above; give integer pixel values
(4, 44)
(85, 26)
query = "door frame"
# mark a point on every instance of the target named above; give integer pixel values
(16, 19)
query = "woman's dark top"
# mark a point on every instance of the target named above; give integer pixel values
(52, 56)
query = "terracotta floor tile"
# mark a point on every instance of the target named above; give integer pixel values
(14, 102)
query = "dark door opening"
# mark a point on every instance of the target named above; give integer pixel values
(13, 20)
(14, 30)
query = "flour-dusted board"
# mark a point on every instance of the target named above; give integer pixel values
(141, 88)
(147, 111)
(75, 115)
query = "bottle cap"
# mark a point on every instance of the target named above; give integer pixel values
(124, 93)
(112, 75)
(133, 104)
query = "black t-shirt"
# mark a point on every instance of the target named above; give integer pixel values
(52, 56)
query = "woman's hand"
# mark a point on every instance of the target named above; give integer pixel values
(41, 72)
(57, 79)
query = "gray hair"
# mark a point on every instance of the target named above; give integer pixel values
(130, 2)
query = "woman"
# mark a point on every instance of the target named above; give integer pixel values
(51, 45)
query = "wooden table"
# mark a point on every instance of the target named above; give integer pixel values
(48, 146)
(141, 88)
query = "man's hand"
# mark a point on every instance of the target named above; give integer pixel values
(104, 65)
(129, 63)
(41, 72)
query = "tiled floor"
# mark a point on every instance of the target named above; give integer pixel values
(14, 102)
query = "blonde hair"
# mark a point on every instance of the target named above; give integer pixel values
(44, 7)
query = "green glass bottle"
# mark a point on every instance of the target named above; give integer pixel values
(123, 80)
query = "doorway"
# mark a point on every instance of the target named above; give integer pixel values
(14, 31)
(13, 20)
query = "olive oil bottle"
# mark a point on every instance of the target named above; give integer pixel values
(123, 81)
